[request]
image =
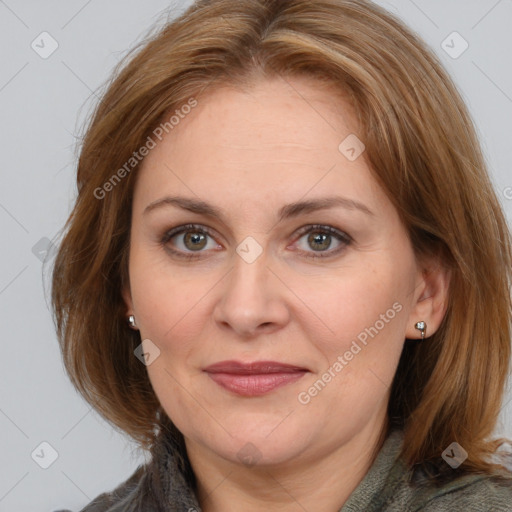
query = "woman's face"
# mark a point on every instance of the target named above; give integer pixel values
(334, 301)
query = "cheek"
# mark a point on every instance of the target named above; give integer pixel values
(366, 316)
(353, 303)
(169, 315)
(164, 295)
(366, 313)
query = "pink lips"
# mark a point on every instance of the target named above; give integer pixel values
(253, 379)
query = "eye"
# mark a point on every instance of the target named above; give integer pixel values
(191, 239)
(195, 239)
(320, 239)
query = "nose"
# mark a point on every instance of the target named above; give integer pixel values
(253, 299)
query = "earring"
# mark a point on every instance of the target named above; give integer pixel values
(421, 326)
(131, 321)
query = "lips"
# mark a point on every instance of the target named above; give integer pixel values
(257, 367)
(253, 379)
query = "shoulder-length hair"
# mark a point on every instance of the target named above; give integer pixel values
(421, 146)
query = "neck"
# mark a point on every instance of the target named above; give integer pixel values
(323, 480)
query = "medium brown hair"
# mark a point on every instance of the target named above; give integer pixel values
(421, 146)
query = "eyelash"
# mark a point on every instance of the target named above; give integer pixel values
(339, 235)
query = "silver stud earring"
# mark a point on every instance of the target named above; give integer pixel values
(131, 321)
(421, 326)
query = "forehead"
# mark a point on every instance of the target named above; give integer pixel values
(276, 138)
(269, 113)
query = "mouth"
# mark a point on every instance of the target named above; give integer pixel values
(254, 379)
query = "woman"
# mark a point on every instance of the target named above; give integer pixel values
(286, 274)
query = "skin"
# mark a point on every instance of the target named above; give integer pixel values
(249, 153)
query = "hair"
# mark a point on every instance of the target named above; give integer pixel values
(421, 146)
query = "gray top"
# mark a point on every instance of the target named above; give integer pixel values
(165, 485)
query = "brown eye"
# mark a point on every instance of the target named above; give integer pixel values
(194, 241)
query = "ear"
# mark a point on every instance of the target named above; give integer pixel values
(430, 298)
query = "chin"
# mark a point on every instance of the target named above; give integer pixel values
(260, 444)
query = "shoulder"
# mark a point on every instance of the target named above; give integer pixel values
(484, 494)
(436, 487)
(471, 493)
(163, 482)
(392, 486)
(124, 498)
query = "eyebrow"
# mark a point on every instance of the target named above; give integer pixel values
(286, 212)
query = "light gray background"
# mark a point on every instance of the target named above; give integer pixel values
(43, 105)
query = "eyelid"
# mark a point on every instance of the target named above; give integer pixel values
(325, 228)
